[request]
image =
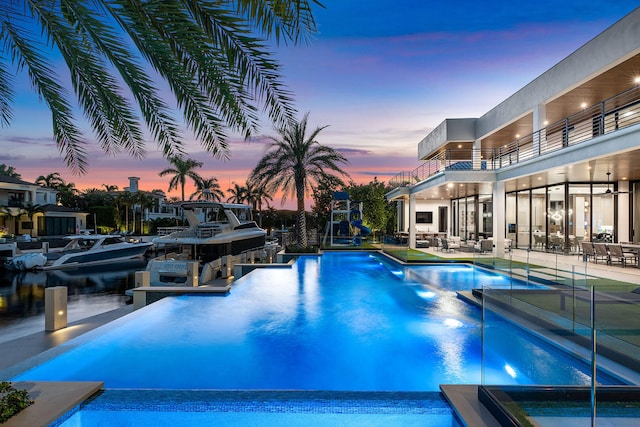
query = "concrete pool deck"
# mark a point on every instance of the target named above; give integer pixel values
(22, 348)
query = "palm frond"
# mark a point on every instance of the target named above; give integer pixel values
(44, 81)
(6, 95)
(153, 108)
(214, 57)
(110, 114)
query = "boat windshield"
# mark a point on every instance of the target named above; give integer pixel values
(219, 215)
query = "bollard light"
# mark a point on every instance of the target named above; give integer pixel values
(55, 308)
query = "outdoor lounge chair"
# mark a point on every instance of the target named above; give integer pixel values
(484, 245)
(601, 252)
(617, 255)
(449, 245)
(587, 251)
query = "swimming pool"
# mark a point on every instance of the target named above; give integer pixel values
(345, 322)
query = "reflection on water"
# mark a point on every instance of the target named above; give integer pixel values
(91, 290)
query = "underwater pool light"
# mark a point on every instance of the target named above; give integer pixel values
(426, 294)
(453, 323)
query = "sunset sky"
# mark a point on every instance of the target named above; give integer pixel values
(380, 73)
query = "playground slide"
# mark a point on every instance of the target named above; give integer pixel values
(364, 230)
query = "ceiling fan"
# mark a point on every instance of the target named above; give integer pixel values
(609, 191)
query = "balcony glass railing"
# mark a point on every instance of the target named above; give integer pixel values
(618, 112)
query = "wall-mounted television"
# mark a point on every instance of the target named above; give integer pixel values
(424, 217)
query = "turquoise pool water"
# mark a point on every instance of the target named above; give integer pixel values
(343, 322)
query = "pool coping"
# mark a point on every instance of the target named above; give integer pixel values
(51, 400)
(465, 404)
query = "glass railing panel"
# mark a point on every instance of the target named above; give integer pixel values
(594, 321)
(397, 246)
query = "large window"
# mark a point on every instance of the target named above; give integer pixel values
(559, 217)
(485, 224)
(510, 216)
(635, 225)
(523, 220)
(539, 218)
(602, 213)
(555, 213)
(52, 226)
(579, 214)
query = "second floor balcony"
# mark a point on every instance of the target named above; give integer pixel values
(613, 114)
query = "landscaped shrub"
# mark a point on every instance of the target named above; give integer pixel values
(12, 400)
(295, 249)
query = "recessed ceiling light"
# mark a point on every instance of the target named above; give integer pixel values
(624, 178)
(459, 145)
(517, 135)
(583, 105)
(637, 80)
(539, 178)
(546, 122)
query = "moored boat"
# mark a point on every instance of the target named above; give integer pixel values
(216, 230)
(82, 250)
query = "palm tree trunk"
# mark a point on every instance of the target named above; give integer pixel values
(301, 220)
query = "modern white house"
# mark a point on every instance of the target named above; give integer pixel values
(555, 163)
(17, 197)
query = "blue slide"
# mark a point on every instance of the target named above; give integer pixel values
(356, 221)
(364, 230)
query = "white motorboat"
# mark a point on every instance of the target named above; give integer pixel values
(215, 230)
(83, 250)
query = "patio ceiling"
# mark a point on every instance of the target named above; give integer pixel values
(602, 87)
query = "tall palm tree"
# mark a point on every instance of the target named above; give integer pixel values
(238, 193)
(8, 170)
(124, 200)
(181, 170)
(294, 163)
(256, 196)
(52, 180)
(208, 189)
(214, 56)
(144, 202)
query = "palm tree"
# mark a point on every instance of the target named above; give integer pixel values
(144, 201)
(52, 180)
(238, 193)
(8, 170)
(216, 58)
(124, 200)
(68, 194)
(256, 196)
(294, 163)
(208, 189)
(181, 170)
